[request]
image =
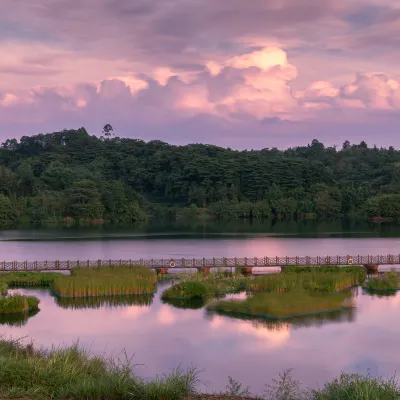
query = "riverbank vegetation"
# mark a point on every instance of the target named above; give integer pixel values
(73, 177)
(273, 305)
(105, 281)
(73, 373)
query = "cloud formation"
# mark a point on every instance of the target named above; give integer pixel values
(234, 74)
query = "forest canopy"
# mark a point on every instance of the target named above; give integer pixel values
(76, 176)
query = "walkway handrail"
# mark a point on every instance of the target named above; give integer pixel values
(204, 262)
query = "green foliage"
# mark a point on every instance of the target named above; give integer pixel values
(283, 306)
(17, 304)
(49, 177)
(28, 279)
(197, 286)
(3, 289)
(72, 373)
(310, 281)
(388, 281)
(105, 281)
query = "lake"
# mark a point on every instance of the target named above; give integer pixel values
(161, 337)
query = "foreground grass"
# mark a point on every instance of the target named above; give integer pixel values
(73, 374)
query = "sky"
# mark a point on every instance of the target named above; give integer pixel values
(239, 74)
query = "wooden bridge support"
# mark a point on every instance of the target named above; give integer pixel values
(204, 270)
(161, 271)
(372, 269)
(246, 271)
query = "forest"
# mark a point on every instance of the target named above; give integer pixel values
(76, 177)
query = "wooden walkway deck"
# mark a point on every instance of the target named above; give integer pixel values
(205, 262)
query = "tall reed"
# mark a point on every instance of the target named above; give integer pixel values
(17, 304)
(388, 281)
(106, 281)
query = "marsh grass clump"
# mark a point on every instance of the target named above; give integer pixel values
(309, 281)
(273, 305)
(106, 281)
(389, 281)
(197, 286)
(327, 269)
(3, 289)
(28, 279)
(358, 387)
(72, 373)
(100, 302)
(17, 303)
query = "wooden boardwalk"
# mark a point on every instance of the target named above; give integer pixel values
(205, 262)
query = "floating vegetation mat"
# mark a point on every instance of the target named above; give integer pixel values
(108, 302)
(105, 281)
(197, 286)
(28, 279)
(284, 306)
(17, 303)
(327, 282)
(388, 282)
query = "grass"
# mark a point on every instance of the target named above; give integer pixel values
(18, 304)
(3, 289)
(389, 281)
(198, 286)
(326, 269)
(28, 279)
(310, 281)
(275, 305)
(72, 373)
(100, 302)
(105, 281)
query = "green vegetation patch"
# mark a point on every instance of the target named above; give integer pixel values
(309, 281)
(18, 304)
(28, 279)
(273, 305)
(390, 281)
(326, 269)
(106, 281)
(72, 373)
(197, 286)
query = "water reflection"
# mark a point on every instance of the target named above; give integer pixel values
(104, 302)
(345, 315)
(162, 337)
(17, 319)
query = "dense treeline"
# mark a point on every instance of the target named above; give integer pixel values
(72, 175)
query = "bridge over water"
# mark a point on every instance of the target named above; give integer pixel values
(371, 263)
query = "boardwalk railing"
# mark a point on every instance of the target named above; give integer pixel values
(204, 262)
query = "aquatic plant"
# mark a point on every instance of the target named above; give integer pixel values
(311, 281)
(390, 281)
(105, 281)
(199, 286)
(28, 279)
(293, 303)
(326, 268)
(109, 301)
(3, 289)
(17, 303)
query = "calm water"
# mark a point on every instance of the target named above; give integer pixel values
(162, 337)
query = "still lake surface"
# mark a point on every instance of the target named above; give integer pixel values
(161, 337)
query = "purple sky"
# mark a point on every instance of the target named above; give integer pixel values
(244, 74)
